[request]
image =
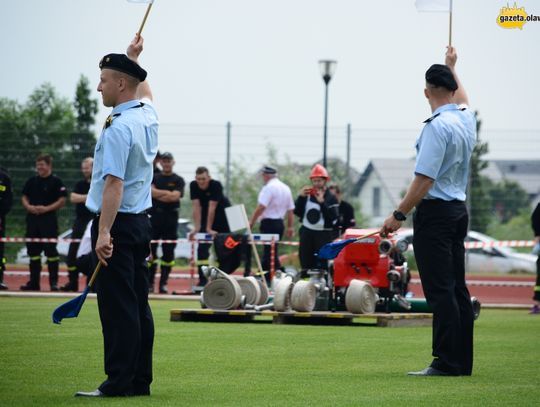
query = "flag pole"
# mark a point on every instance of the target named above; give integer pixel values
(450, 24)
(146, 16)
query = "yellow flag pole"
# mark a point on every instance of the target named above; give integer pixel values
(145, 17)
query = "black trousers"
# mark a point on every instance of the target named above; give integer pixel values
(271, 226)
(164, 226)
(310, 243)
(126, 318)
(440, 228)
(42, 226)
(536, 296)
(77, 231)
(2, 234)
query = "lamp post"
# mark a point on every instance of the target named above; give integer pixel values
(328, 68)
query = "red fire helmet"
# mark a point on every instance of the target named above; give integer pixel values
(319, 171)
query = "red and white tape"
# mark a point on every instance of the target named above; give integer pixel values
(468, 245)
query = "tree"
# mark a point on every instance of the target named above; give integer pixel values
(83, 140)
(508, 199)
(46, 123)
(479, 200)
(245, 184)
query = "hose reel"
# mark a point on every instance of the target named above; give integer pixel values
(222, 292)
(360, 297)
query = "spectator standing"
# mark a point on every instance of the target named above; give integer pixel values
(6, 201)
(82, 217)
(43, 195)
(274, 202)
(208, 206)
(535, 223)
(440, 222)
(167, 190)
(346, 211)
(318, 210)
(120, 195)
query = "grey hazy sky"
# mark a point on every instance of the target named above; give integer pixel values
(255, 61)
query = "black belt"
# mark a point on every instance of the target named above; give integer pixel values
(145, 212)
(442, 200)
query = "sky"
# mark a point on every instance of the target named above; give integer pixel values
(254, 62)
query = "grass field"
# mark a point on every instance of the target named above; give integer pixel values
(216, 364)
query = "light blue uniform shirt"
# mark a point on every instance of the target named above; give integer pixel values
(126, 150)
(443, 151)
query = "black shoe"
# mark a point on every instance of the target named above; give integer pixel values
(54, 288)
(95, 393)
(163, 289)
(429, 371)
(69, 287)
(29, 287)
(3, 286)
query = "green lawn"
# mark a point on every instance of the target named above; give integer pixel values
(217, 364)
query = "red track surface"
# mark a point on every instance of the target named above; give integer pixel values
(506, 289)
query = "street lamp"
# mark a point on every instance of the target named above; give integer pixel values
(327, 67)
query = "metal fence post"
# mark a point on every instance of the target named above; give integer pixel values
(228, 161)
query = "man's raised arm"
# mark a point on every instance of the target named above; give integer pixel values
(460, 96)
(133, 52)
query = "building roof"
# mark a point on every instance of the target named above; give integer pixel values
(396, 174)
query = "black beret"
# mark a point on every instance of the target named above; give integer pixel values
(166, 156)
(268, 170)
(121, 62)
(441, 76)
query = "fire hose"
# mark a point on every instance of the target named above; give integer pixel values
(250, 289)
(282, 294)
(222, 292)
(360, 297)
(303, 296)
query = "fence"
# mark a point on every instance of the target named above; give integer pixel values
(219, 147)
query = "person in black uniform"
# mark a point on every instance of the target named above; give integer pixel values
(440, 221)
(208, 203)
(43, 195)
(120, 195)
(317, 209)
(167, 190)
(535, 223)
(6, 201)
(346, 211)
(82, 217)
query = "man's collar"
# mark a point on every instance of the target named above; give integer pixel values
(441, 109)
(124, 106)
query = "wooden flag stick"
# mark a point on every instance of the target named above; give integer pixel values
(450, 24)
(146, 16)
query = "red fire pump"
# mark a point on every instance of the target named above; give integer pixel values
(374, 260)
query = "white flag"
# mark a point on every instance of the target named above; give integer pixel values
(141, 1)
(444, 6)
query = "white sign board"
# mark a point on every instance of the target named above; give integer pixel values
(236, 217)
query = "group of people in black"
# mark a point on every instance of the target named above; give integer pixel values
(44, 194)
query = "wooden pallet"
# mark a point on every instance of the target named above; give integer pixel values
(309, 318)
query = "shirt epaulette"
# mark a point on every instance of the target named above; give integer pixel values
(431, 118)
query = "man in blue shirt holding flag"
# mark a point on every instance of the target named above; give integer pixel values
(440, 221)
(120, 195)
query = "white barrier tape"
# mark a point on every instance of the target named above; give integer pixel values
(468, 245)
(500, 243)
(68, 240)
(35, 240)
(489, 283)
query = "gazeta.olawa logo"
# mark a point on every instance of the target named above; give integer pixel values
(514, 17)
